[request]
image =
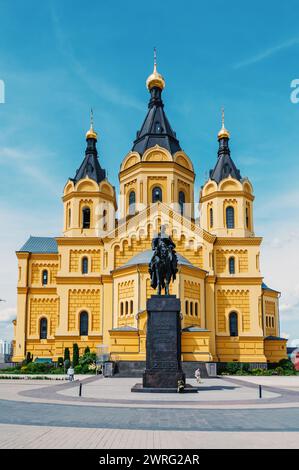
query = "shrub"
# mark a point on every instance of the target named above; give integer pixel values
(286, 364)
(78, 369)
(245, 368)
(12, 370)
(232, 367)
(39, 368)
(87, 350)
(86, 360)
(258, 371)
(58, 370)
(75, 355)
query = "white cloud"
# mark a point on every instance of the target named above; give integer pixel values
(19, 224)
(28, 165)
(267, 53)
(8, 314)
(102, 87)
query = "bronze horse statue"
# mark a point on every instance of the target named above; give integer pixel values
(163, 265)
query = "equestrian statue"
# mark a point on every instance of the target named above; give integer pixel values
(163, 265)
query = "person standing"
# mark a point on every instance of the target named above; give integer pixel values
(70, 373)
(197, 376)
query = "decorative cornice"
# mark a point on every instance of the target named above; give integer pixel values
(79, 241)
(22, 254)
(70, 280)
(42, 290)
(89, 194)
(22, 290)
(237, 339)
(242, 241)
(152, 164)
(211, 279)
(107, 278)
(44, 256)
(123, 333)
(126, 270)
(235, 193)
(270, 293)
(194, 271)
(239, 281)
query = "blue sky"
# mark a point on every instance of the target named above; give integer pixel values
(59, 58)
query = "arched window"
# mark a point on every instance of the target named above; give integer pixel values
(247, 217)
(43, 328)
(45, 277)
(191, 308)
(157, 194)
(196, 309)
(127, 307)
(211, 217)
(70, 217)
(131, 307)
(121, 308)
(181, 201)
(231, 265)
(230, 217)
(84, 265)
(186, 307)
(233, 324)
(86, 217)
(132, 201)
(83, 324)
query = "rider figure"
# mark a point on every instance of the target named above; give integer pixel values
(163, 265)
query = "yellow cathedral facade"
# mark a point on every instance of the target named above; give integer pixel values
(90, 285)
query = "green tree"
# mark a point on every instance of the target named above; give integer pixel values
(67, 356)
(75, 355)
(87, 350)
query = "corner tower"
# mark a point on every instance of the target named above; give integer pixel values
(156, 169)
(89, 199)
(226, 199)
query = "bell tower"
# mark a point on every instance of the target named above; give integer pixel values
(226, 199)
(89, 199)
(156, 169)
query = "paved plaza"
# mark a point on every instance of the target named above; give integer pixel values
(225, 413)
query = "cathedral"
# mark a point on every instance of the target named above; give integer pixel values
(90, 284)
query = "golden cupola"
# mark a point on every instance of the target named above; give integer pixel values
(155, 79)
(223, 133)
(91, 133)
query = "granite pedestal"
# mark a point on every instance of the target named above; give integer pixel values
(163, 346)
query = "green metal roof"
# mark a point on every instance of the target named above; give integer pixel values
(40, 245)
